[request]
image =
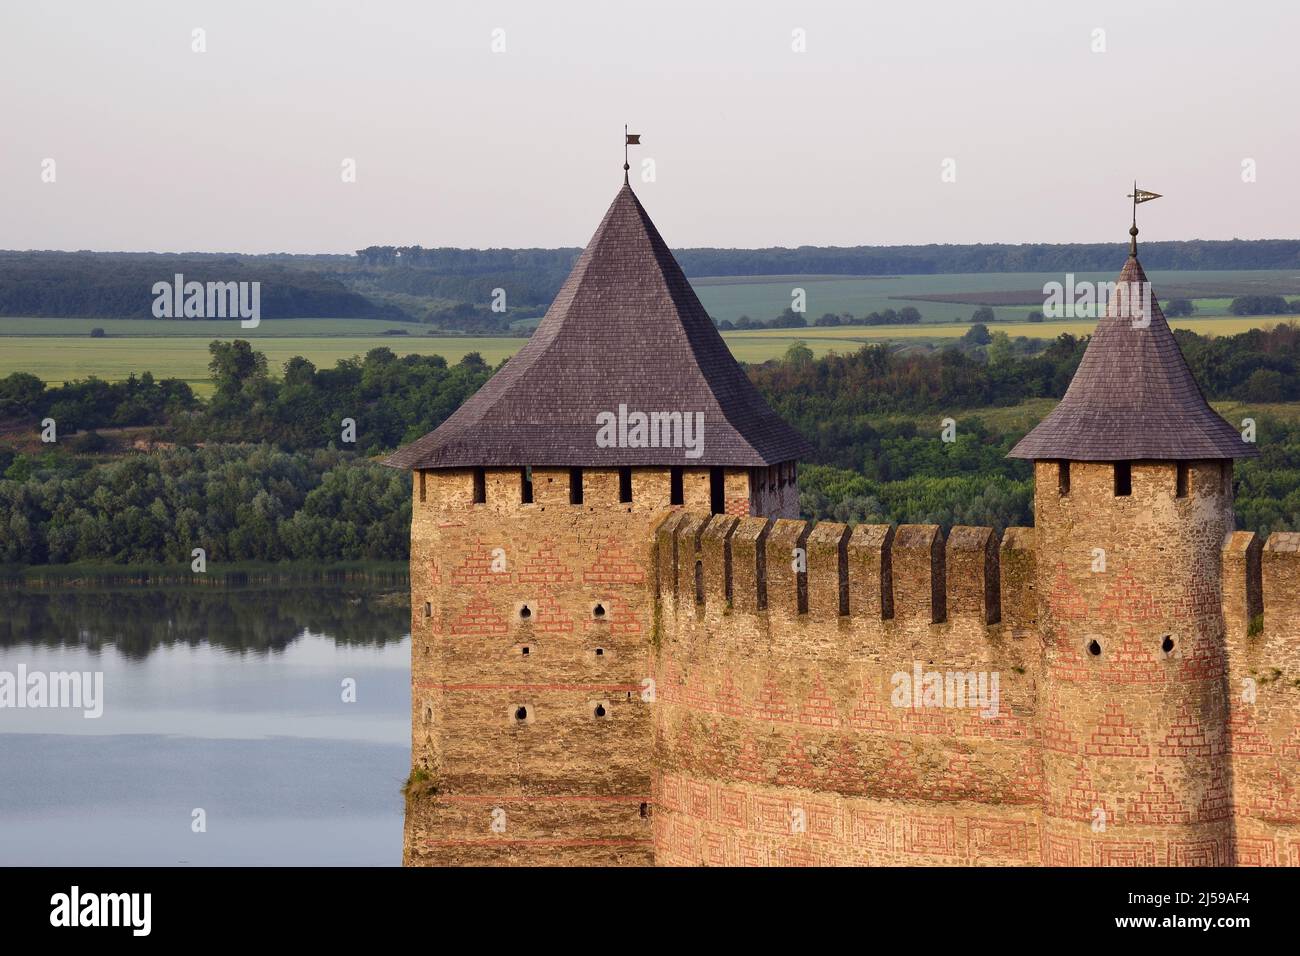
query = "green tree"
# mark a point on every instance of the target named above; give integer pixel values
(1000, 350)
(798, 354)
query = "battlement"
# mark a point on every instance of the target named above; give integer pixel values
(826, 570)
(823, 571)
(737, 491)
(1261, 578)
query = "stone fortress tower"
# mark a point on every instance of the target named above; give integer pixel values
(1132, 506)
(531, 570)
(628, 651)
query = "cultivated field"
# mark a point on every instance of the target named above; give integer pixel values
(57, 360)
(60, 359)
(765, 297)
(59, 350)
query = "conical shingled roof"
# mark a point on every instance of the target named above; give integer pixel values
(1133, 396)
(626, 329)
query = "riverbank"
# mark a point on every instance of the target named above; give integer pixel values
(236, 574)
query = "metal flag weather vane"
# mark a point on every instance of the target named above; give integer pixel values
(629, 139)
(1138, 196)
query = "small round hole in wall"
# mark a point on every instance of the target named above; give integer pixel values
(1167, 644)
(525, 612)
(1094, 648)
(600, 710)
(521, 713)
(598, 611)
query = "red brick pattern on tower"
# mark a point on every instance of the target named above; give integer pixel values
(1135, 692)
(748, 722)
(532, 674)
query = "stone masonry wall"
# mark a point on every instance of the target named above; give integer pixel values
(756, 679)
(530, 645)
(777, 741)
(1264, 695)
(1133, 632)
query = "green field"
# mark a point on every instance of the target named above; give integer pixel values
(59, 350)
(208, 329)
(60, 359)
(56, 360)
(765, 297)
(759, 346)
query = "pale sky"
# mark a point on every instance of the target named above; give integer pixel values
(241, 148)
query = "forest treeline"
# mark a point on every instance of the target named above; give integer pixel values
(417, 284)
(120, 285)
(389, 400)
(278, 478)
(934, 259)
(236, 502)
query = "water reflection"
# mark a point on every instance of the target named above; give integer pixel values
(137, 621)
(225, 699)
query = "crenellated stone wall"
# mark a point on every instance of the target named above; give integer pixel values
(779, 692)
(779, 735)
(778, 739)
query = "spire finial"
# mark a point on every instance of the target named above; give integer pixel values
(629, 139)
(1138, 196)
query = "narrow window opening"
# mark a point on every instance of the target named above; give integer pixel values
(699, 582)
(480, 486)
(624, 485)
(600, 652)
(428, 714)
(1181, 490)
(428, 609)
(645, 810)
(525, 651)
(1094, 648)
(717, 491)
(1167, 644)
(1063, 477)
(575, 486)
(675, 496)
(1123, 478)
(600, 710)
(422, 486)
(526, 485)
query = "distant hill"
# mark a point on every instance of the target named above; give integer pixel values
(1191, 255)
(416, 284)
(120, 285)
(1195, 254)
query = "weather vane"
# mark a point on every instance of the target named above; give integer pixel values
(1138, 196)
(629, 139)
